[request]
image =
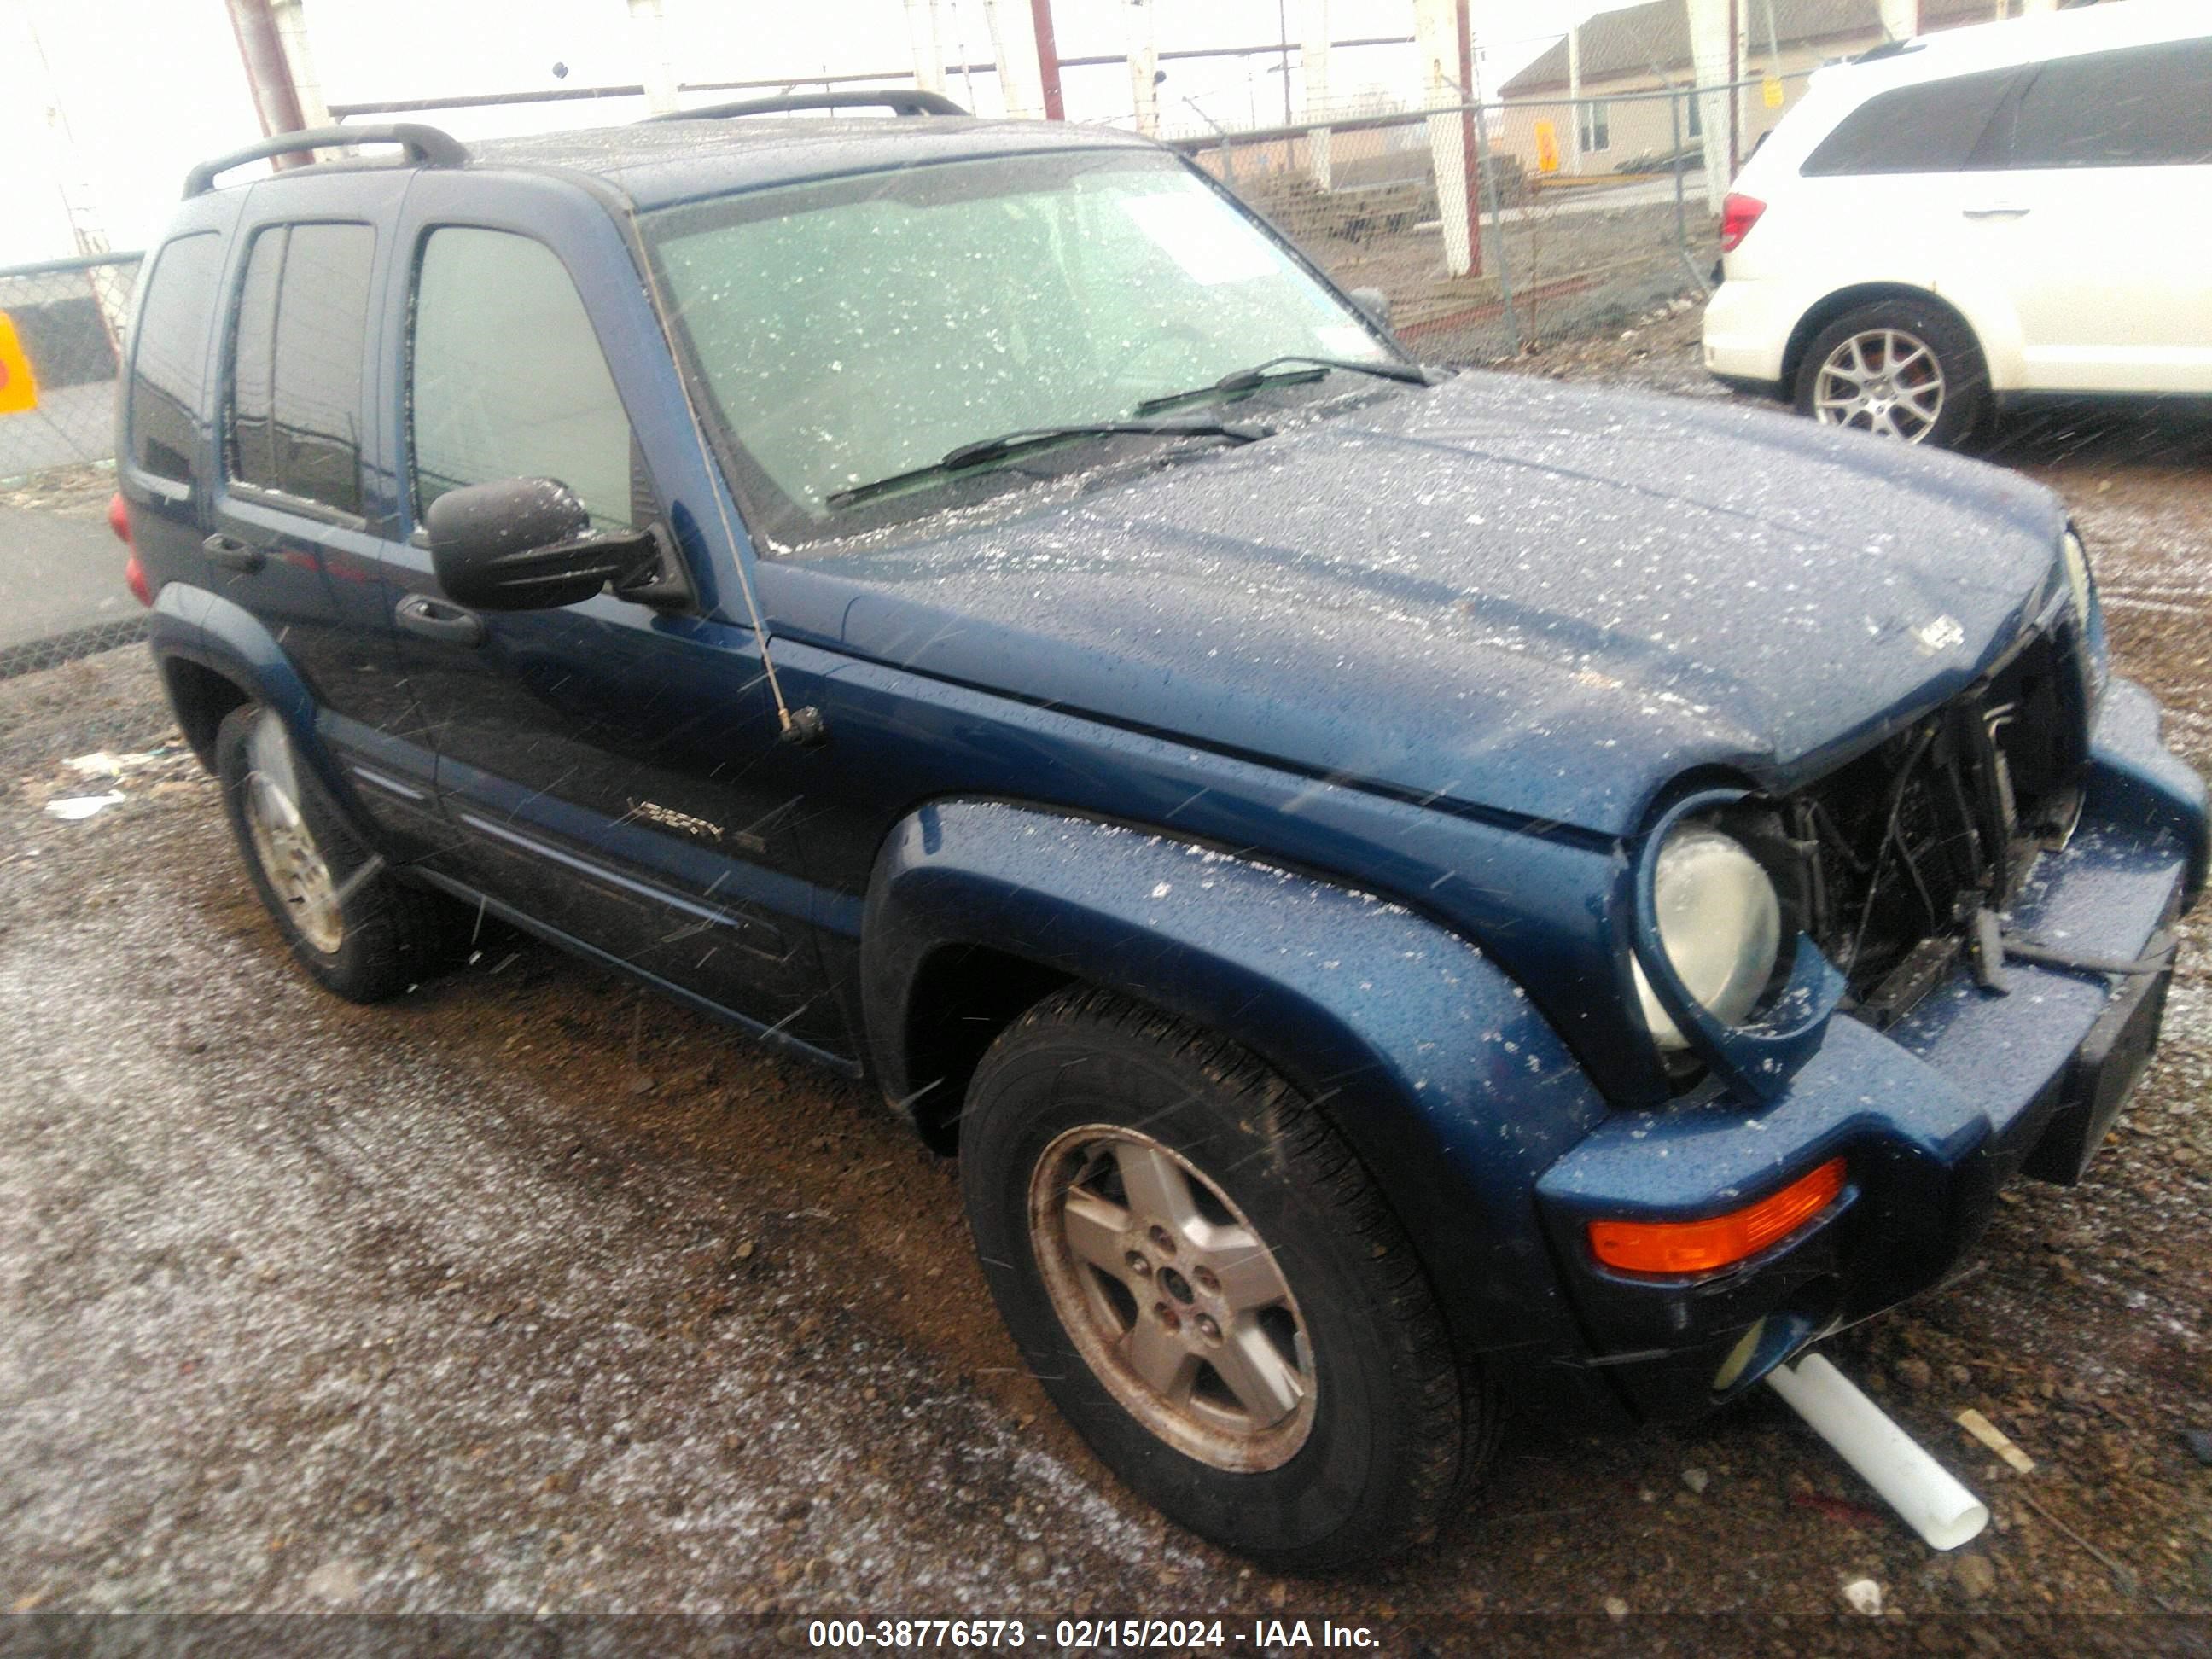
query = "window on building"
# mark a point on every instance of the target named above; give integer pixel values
(297, 352)
(1933, 127)
(1595, 121)
(2148, 106)
(168, 365)
(508, 380)
(1696, 129)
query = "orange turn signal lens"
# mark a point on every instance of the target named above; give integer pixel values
(1698, 1246)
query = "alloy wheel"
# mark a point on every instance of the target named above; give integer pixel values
(1172, 1298)
(1883, 381)
(298, 873)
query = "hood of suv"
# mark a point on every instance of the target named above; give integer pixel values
(1542, 600)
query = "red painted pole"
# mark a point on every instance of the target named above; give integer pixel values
(1048, 60)
(1471, 165)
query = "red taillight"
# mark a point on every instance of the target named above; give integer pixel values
(133, 573)
(1738, 215)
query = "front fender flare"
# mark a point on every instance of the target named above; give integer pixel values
(1454, 1091)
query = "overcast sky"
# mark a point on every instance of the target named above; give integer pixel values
(145, 88)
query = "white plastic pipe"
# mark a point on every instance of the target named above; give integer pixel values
(1916, 1486)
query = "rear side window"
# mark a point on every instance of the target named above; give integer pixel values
(294, 421)
(168, 368)
(507, 380)
(2148, 106)
(1933, 127)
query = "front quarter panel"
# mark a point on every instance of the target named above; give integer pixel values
(1455, 1092)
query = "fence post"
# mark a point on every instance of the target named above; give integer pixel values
(1486, 177)
(1682, 222)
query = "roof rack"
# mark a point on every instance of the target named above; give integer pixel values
(902, 103)
(429, 147)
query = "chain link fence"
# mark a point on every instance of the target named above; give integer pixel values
(1491, 228)
(65, 319)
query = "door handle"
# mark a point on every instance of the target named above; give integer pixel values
(1997, 211)
(434, 619)
(232, 554)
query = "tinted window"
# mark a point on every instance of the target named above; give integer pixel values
(2150, 107)
(297, 352)
(168, 368)
(1933, 127)
(507, 379)
(253, 350)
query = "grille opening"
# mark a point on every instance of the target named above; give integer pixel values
(1902, 846)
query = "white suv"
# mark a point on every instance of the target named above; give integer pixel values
(2010, 209)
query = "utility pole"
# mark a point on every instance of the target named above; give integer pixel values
(649, 32)
(1145, 65)
(1048, 59)
(1441, 29)
(1013, 47)
(1313, 63)
(307, 85)
(925, 39)
(269, 74)
(1574, 115)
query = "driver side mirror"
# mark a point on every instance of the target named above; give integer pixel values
(528, 545)
(1375, 303)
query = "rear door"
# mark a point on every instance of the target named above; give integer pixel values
(1884, 198)
(293, 535)
(609, 770)
(2093, 196)
(163, 462)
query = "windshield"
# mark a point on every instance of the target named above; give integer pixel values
(850, 330)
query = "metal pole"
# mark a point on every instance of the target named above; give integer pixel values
(1283, 34)
(1489, 186)
(1048, 60)
(1682, 222)
(1735, 94)
(1470, 145)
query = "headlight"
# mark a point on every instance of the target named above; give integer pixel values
(1720, 923)
(2077, 575)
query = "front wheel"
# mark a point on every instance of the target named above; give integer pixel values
(1211, 1288)
(1897, 369)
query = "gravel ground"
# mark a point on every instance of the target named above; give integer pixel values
(533, 1293)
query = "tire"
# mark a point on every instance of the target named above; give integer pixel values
(354, 927)
(1938, 399)
(1086, 1119)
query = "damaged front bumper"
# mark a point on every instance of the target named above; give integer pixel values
(1933, 1115)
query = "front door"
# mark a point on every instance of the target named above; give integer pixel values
(608, 769)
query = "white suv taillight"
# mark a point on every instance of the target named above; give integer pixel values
(1738, 213)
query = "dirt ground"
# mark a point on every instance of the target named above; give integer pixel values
(532, 1292)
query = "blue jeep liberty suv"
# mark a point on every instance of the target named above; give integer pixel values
(1410, 894)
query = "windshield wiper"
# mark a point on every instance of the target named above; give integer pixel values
(1309, 368)
(988, 452)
